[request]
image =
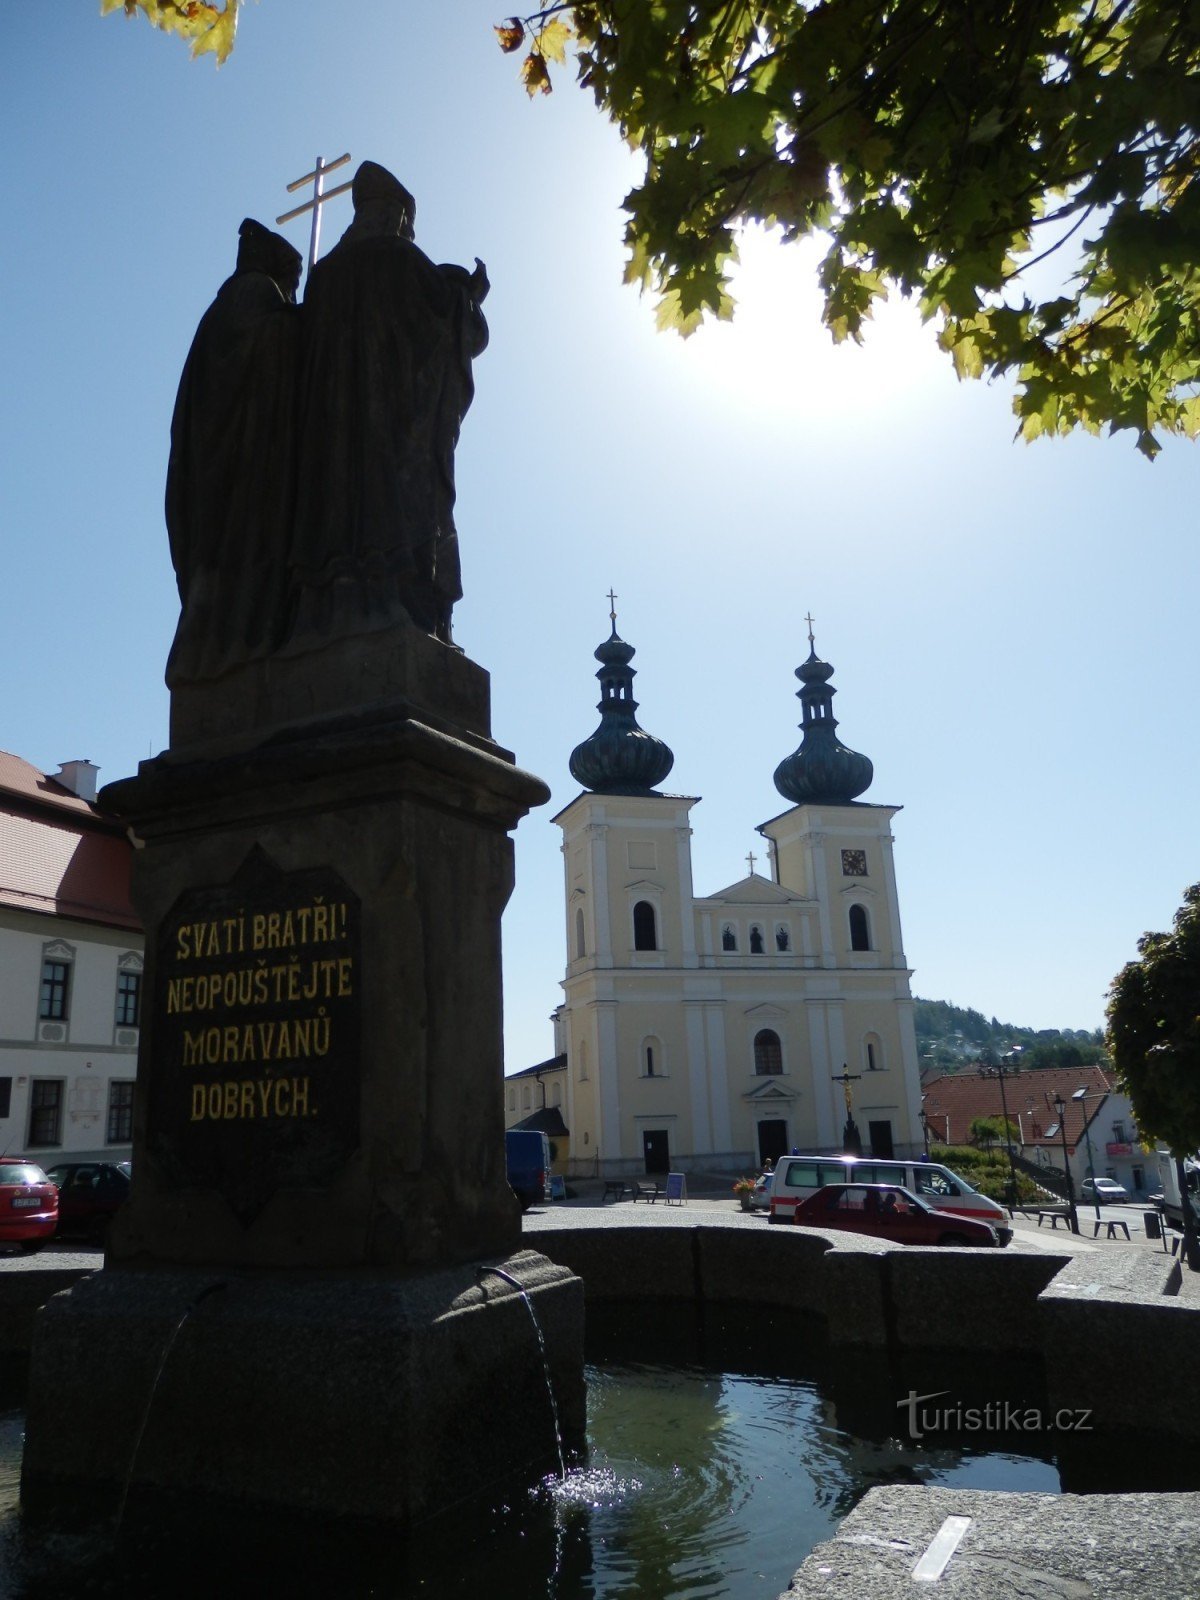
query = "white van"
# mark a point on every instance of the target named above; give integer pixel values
(796, 1177)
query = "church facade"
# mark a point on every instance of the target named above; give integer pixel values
(710, 1032)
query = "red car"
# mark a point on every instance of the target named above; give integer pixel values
(886, 1211)
(28, 1205)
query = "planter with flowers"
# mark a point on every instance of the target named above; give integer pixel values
(744, 1188)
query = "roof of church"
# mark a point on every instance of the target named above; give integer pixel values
(60, 855)
(822, 771)
(547, 1120)
(553, 1064)
(755, 891)
(620, 757)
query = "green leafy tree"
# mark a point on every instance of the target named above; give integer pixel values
(942, 149)
(989, 1131)
(1154, 1030)
(1154, 1038)
(210, 28)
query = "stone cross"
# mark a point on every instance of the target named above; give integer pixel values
(320, 195)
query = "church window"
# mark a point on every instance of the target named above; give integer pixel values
(526, 1098)
(860, 929)
(874, 1053)
(757, 948)
(556, 1094)
(783, 939)
(652, 1058)
(580, 942)
(728, 937)
(645, 928)
(768, 1053)
(582, 1060)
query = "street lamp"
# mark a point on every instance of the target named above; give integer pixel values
(1072, 1214)
(1083, 1097)
(1012, 1166)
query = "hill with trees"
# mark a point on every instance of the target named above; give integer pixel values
(950, 1038)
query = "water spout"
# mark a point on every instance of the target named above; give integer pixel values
(481, 1272)
(211, 1288)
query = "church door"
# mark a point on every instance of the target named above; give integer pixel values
(772, 1141)
(656, 1151)
(880, 1134)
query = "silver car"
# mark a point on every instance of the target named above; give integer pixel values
(1106, 1191)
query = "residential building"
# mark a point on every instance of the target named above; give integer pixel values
(1101, 1137)
(70, 969)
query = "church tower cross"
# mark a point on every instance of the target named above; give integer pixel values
(319, 196)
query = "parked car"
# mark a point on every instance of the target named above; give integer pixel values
(1107, 1191)
(797, 1177)
(887, 1211)
(88, 1194)
(28, 1205)
(760, 1195)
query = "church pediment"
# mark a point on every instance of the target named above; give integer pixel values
(771, 1094)
(766, 1013)
(755, 891)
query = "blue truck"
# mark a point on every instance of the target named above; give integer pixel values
(528, 1158)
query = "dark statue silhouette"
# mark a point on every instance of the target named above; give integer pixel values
(310, 493)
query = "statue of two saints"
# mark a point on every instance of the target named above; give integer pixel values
(310, 491)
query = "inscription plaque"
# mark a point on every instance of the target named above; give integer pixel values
(255, 1074)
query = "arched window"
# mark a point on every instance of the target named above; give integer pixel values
(580, 943)
(757, 948)
(649, 1060)
(582, 1060)
(728, 937)
(783, 939)
(645, 929)
(556, 1094)
(768, 1053)
(526, 1097)
(860, 929)
(874, 1052)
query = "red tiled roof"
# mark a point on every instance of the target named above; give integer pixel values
(59, 855)
(953, 1100)
(20, 780)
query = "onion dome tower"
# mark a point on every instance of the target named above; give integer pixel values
(822, 771)
(619, 758)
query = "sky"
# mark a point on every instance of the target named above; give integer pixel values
(1012, 626)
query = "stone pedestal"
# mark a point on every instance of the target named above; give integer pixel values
(318, 1124)
(320, 1067)
(340, 1394)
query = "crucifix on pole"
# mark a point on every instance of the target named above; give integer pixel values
(319, 196)
(851, 1138)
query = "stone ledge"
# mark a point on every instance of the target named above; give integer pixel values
(1057, 1547)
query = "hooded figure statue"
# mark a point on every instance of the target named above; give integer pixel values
(385, 380)
(230, 476)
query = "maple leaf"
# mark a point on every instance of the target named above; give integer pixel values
(510, 34)
(535, 75)
(552, 40)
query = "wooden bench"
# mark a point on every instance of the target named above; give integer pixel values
(1054, 1218)
(1112, 1224)
(616, 1189)
(649, 1192)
